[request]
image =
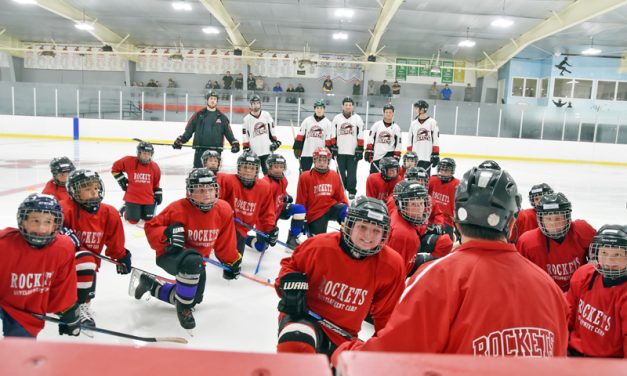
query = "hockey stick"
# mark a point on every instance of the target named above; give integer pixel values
(114, 333)
(265, 282)
(331, 326)
(218, 148)
(109, 259)
(263, 234)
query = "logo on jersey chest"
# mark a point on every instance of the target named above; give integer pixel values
(563, 271)
(346, 129)
(142, 178)
(259, 129)
(384, 138)
(527, 342)
(90, 239)
(422, 135)
(29, 283)
(341, 296)
(203, 238)
(245, 207)
(440, 198)
(323, 189)
(315, 131)
(593, 318)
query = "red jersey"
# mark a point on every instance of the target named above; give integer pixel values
(559, 260)
(344, 290)
(279, 191)
(104, 228)
(58, 191)
(143, 179)
(526, 221)
(317, 192)
(204, 231)
(443, 194)
(401, 173)
(405, 239)
(484, 299)
(598, 315)
(253, 206)
(220, 179)
(35, 280)
(377, 187)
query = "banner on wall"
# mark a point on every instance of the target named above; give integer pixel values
(446, 69)
(339, 67)
(450, 71)
(73, 58)
(273, 64)
(459, 73)
(200, 61)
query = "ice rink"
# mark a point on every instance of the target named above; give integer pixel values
(241, 315)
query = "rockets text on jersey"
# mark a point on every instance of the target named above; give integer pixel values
(440, 198)
(29, 283)
(90, 239)
(203, 237)
(422, 135)
(142, 178)
(323, 189)
(593, 318)
(346, 129)
(316, 131)
(564, 271)
(341, 296)
(259, 129)
(384, 137)
(245, 207)
(522, 342)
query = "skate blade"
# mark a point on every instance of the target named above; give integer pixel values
(190, 332)
(87, 333)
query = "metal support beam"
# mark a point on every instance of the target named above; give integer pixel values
(388, 10)
(574, 14)
(224, 17)
(11, 44)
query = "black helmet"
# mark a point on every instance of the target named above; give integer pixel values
(197, 178)
(347, 100)
(210, 94)
(406, 191)
(146, 147)
(554, 203)
(614, 238)
(80, 178)
(539, 190)
(490, 164)
(417, 174)
(248, 158)
(447, 164)
(255, 98)
(487, 198)
(388, 107)
(319, 103)
(211, 154)
(386, 164)
(39, 203)
(366, 209)
(60, 165)
(423, 105)
(410, 156)
(275, 159)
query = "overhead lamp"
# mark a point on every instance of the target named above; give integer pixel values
(182, 5)
(26, 2)
(83, 26)
(502, 22)
(467, 42)
(591, 50)
(344, 13)
(211, 30)
(340, 36)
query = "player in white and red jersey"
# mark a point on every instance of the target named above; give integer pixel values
(598, 298)
(380, 185)
(320, 192)
(315, 131)
(252, 201)
(527, 219)
(259, 135)
(141, 188)
(384, 139)
(60, 169)
(341, 276)
(348, 145)
(285, 206)
(442, 190)
(559, 246)
(410, 159)
(93, 226)
(424, 137)
(182, 234)
(37, 273)
(521, 311)
(410, 234)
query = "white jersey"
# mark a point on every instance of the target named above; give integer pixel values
(348, 133)
(384, 139)
(313, 134)
(424, 138)
(258, 132)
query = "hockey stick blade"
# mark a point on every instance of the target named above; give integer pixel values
(114, 333)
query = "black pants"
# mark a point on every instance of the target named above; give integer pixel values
(171, 263)
(241, 242)
(135, 212)
(263, 159)
(305, 163)
(198, 156)
(319, 226)
(347, 166)
(374, 168)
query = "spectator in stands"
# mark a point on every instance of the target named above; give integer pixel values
(446, 93)
(171, 83)
(134, 83)
(252, 83)
(327, 86)
(209, 85)
(239, 82)
(227, 80)
(140, 83)
(290, 97)
(468, 92)
(396, 89)
(278, 89)
(434, 92)
(151, 83)
(261, 87)
(356, 91)
(300, 89)
(384, 89)
(216, 85)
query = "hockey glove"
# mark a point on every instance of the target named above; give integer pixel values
(234, 269)
(124, 263)
(158, 192)
(235, 147)
(246, 149)
(369, 155)
(288, 199)
(122, 180)
(71, 323)
(297, 153)
(334, 150)
(359, 153)
(175, 234)
(178, 143)
(397, 155)
(258, 242)
(73, 237)
(435, 228)
(421, 258)
(273, 236)
(435, 159)
(275, 145)
(293, 287)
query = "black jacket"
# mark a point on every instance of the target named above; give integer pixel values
(209, 129)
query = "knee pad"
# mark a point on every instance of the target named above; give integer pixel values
(298, 337)
(298, 212)
(86, 277)
(192, 262)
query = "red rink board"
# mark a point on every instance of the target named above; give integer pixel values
(40, 358)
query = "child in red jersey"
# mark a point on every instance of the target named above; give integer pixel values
(598, 298)
(37, 272)
(141, 183)
(442, 189)
(212, 159)
(380, 185)
(60, 169)
(527, 219)
(559, 246)
(182, 234)
(285, 207)
(92, 225)
(410, 159)
(320, 191)
(341, 276)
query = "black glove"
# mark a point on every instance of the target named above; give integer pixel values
(178, 143)
(235, 267)
(421, 258)
(158, 192)
(71, 323)
(275, 145)
(288, 199)
(122, 180)
(73, 237)
(293, 287)
(359, 153)
(435, 159)
(297, 153)
(369, 155)
(246, 149)
(435, 228)
(334, 150)
(273, 236)
(124, 266)
(235, 147)
(397, 155)
(176, 237)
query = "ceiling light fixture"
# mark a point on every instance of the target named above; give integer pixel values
(467, 42)
(344, 13)
(591, 50)
(502, 22)
(211, 30)
(83, 26)
(26, 2)
(182, 5)
(340, 36)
